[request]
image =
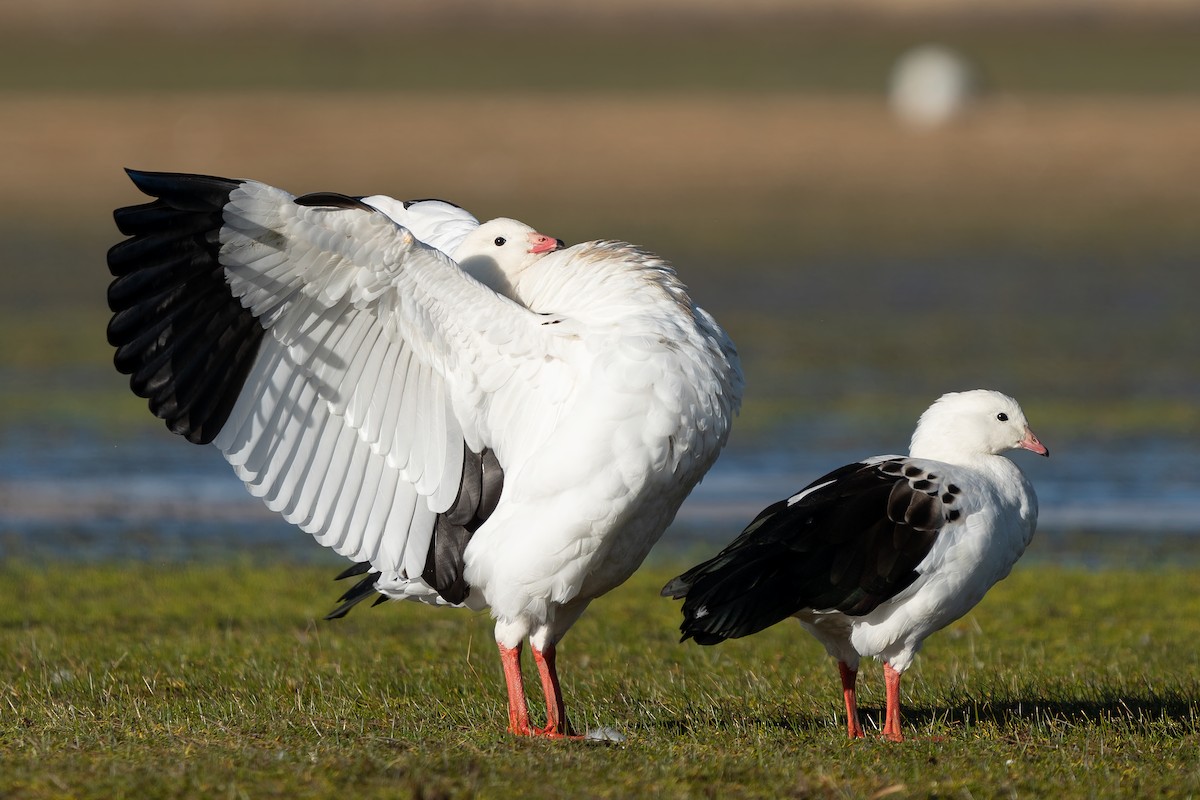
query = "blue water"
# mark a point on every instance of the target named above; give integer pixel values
(149, 495)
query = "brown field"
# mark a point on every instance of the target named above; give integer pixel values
(813, 227)
(760, 174)
(72, 17)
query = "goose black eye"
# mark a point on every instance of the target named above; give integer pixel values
(1002, 417)
(499, 241)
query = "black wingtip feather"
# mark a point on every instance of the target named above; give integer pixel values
(184, 191)
(186, 342)
(332, 200)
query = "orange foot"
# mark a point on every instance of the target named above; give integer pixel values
(550, 733)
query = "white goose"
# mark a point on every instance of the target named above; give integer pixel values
(877, 555)
(512, 431)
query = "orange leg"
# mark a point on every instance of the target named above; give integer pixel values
(557, 724)
(849, 677)
(518, 711)
(891, 725)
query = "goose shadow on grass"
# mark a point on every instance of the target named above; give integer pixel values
(1173, 714)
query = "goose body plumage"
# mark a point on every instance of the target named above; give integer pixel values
(472, 413)
(877, 555)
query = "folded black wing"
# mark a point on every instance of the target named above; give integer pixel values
(848, 541)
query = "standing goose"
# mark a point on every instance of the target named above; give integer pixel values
(877, 555)
(509, 428)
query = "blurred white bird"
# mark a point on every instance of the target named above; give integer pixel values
(512, 428)
(877, 555)
(930, 86)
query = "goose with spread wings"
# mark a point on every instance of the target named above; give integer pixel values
(877, 555)
(474, 414)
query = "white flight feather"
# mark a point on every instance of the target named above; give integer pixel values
(345, 424)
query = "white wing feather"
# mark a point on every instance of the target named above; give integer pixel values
(435, 222)
(345, 424)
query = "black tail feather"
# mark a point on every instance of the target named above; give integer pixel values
(361, 568)
(358, 592)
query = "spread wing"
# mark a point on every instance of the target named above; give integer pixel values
(342, 366)
(849, 541)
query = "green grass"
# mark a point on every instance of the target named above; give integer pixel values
(219, 680)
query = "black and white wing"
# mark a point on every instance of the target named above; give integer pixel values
(340, 364)
(847, 542)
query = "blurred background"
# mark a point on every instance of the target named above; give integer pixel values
(881, 200)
